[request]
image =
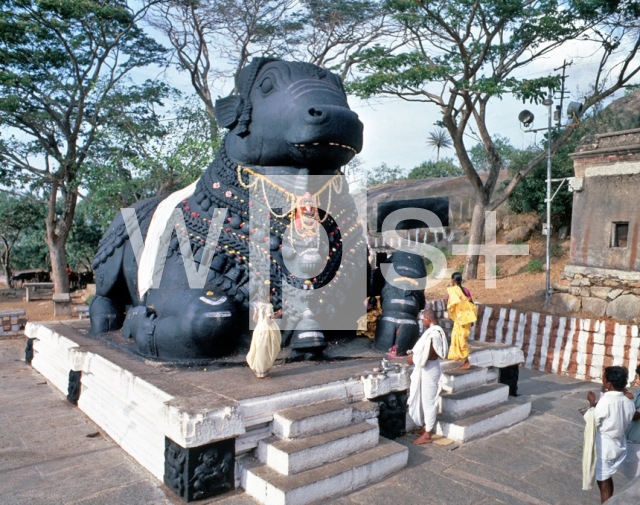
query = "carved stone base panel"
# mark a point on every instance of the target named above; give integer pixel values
(73, 390)
(393, 414)
(199, 472)
(28, 351)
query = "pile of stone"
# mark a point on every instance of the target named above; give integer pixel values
(596, 292)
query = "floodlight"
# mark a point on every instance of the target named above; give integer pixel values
(526, 118)
(574, 111)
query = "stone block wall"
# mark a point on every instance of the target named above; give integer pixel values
(571, 346)
(599, 293)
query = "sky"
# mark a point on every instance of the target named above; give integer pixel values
(395, 131)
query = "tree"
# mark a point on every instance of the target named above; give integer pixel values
(63, 76)
(531, 193)
(136, 159)
(480, 160)
(17, 217)
(205, 32)
(439, 139)
(333, 33)
(384, 174)
(213, 41)
(83, 238)
(463, 56)
(435, 169)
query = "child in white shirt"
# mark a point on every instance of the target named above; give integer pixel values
(613, 413)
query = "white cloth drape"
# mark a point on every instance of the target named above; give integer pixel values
(425, 378)
(589, 451)
(154, 234)
(265, 342)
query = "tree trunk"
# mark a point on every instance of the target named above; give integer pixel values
(58, 263)
(7, 273)
(58, 228)
(6, 262)
(475, 238)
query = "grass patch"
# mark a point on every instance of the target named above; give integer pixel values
(496, 271)
(88, 300)
(557, 250)
(534, 266)
(460, 268)
(447, 254)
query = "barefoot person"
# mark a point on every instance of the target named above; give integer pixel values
(462, 311)
(266, 340)
(425, 378)
(613, 413)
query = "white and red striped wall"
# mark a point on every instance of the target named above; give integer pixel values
(571, 346)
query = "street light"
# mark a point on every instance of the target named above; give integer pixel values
(548, 102)
(526, 118)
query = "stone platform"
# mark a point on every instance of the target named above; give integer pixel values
(197, 428)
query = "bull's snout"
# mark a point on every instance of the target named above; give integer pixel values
(326, 113)
(326, 124)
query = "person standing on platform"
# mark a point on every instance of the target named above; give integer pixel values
(462, 311)
(367, 323)
(266, 340)
(612, 414)
(425, 378)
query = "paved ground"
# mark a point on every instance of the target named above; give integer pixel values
(47, 457)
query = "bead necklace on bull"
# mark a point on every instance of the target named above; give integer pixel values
(301, 240)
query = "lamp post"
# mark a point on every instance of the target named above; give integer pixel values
(548, 102)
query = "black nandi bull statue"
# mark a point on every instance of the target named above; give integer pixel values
(287, 119)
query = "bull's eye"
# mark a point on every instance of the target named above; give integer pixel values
(266, 86)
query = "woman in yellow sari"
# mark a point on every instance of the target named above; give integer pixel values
(462, 311)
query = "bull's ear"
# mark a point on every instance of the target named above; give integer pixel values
(227, 109)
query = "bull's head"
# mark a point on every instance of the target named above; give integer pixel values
(290, 114)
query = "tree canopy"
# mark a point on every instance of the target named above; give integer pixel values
(63, 76)
(464, 56)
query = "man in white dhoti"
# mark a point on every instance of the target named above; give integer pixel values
(613, 413)
(425, 378)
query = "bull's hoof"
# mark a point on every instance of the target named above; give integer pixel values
(140, 325)
(106, 316)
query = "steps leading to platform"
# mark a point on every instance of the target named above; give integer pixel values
(455, 380)
(313, 419)
(294, 456)
(319, 451)
(268, 486)
(483, 422)
(462, 402)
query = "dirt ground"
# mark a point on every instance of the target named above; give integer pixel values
(40, 308)
(515, 287)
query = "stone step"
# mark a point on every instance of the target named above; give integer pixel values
(455, 380)
(294, 456)
(267, 486)
(483, 422)
(365, 411)
(462, 402)
(307, 420)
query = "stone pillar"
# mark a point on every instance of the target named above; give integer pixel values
(62, 304)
